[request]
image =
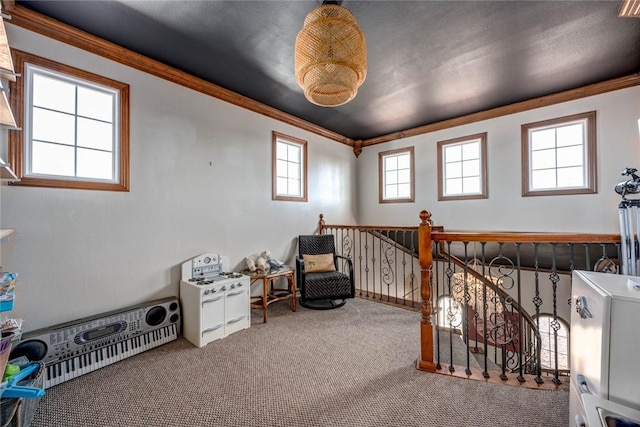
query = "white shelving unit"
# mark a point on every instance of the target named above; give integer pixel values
(7, 119)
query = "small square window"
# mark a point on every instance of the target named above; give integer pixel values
(462, 168)
(558, 156)
(396, 176)
(75, 127)
(289, 169)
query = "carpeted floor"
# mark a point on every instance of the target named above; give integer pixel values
(354, 366)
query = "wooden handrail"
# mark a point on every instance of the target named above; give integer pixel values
(523, 237)
(439, 235)
(322, 226)
(372, 227)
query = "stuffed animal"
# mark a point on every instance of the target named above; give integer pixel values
(258, 262)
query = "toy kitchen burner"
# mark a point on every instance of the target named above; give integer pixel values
(215, 301)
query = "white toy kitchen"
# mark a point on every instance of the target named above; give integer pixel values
(215, 301)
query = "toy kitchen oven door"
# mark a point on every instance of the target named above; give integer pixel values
(605, 350)
(215, 301)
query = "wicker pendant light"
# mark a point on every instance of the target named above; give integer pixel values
(330, 56)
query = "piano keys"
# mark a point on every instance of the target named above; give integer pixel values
(75, 348)
(68, 369)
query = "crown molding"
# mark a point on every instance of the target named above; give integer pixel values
(518, 107)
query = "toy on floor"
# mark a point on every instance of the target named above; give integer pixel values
(10, 389)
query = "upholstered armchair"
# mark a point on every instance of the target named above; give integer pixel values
(321, 283)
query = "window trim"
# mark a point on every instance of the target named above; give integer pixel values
(412, 174)
(16, 138)
(591, 186)
(484, 181)
(275, 136)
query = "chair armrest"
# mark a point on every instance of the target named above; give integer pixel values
(299, 272)
(349, 261)
(351, 276)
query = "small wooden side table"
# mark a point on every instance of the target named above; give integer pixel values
(269, 294)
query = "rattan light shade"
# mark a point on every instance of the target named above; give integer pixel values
(330, 56)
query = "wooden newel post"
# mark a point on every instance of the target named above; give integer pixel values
(321, 229)
(425, 362)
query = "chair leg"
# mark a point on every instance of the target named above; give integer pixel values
(328, 304)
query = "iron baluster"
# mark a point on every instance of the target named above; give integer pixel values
(485, 307)
(465, 314)
(387, 276)
(450, 314)
(555, 325)
(373, 267)
(404, 271)
(537, 302)
(366, 260)
(413, 251)
(435, 251)
(571, 256)
(519, 334)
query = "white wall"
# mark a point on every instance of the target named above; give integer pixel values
(618, 146)
(200, 181)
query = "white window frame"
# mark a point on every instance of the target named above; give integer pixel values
(279, 193)
(30, 72)
(383, 158)
(589, 185)
(483, 193)
(21, 143)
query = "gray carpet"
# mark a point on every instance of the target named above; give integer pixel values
(354, 366)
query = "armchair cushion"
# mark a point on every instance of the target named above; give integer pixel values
(318, 263)
(327, 285)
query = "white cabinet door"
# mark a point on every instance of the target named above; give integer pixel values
(212, 326)
(237, 313)
(590, 322)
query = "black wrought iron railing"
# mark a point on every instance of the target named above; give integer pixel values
(494, 305)
(385, 261)
(507, 296)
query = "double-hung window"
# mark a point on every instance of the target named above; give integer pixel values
(396, 176)
(75, 127)
(462, 168)
(559, 156)
(289, 168)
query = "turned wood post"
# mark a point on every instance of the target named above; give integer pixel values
(321, 229)
(425, 362)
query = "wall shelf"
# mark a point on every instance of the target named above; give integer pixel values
(6, 172)
(5, 232)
